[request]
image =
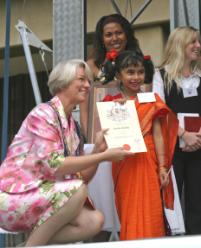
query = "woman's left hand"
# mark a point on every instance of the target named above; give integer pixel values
(100, 144)
(163, 176)
(192, 141)
(121, 101)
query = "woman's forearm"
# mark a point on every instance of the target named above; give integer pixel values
(89, 173)
(159, 144)
(181, 132)
(73, 164)
(84, 116)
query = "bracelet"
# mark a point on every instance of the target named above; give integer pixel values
(162, 168)
(182, 134)
(162, 165)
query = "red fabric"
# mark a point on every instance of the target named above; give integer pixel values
(137, 188)
(192, 123)
(110, 98)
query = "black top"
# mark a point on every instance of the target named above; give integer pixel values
(178, 104)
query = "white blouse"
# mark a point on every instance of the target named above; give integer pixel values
(192, 81)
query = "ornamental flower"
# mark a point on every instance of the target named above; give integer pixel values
(111, 55)
(147, 57)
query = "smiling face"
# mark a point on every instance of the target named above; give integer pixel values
(192, 51)
(78, 89)
(132, 78)
(114, 37)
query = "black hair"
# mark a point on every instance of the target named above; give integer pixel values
(149, 71)
(99, 48)
(124, 60)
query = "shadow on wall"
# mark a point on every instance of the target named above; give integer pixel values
(21, 100)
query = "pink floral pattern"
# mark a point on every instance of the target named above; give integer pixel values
(30, 192)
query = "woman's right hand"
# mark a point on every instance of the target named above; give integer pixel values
(192, 141)
(121, 101)
(116, 154)
(100, 143)
(163, 176)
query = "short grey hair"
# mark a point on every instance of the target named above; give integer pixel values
(64, 72)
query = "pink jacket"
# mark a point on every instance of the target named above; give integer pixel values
(37, 149)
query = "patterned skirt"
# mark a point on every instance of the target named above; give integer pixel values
(24, 211)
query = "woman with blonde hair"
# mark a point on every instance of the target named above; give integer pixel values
(177, 81)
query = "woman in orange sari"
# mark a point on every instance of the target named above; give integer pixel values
(138, 179)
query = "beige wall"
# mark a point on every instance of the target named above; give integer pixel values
(156, 11)
(18, 65)
(37, 14)
(152, 42)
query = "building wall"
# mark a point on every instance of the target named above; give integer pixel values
(156, 11)
(37, 14)
(152, 41)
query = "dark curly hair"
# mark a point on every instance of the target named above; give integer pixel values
(99, 50)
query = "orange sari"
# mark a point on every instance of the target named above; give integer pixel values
(137, 187)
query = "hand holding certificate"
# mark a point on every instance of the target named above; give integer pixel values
(123, 123)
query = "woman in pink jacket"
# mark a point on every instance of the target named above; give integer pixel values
(42, 179)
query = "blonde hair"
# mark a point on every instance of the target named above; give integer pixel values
(64, 72)
(174, 56)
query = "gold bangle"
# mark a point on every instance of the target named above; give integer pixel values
(162, 167)
(79, 175)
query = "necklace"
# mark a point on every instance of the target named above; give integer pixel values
(187, 73)
(128, 97)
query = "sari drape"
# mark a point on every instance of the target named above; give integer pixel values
(137, 188)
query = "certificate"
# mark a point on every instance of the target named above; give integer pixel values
(123, 124)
